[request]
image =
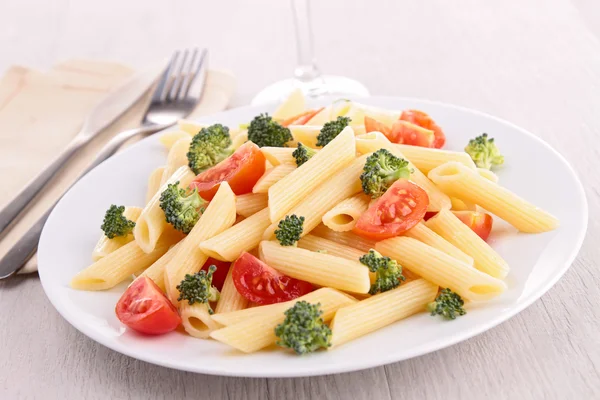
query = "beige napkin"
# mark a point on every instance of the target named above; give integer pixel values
(41, 112)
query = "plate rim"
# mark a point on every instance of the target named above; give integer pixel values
(358, 365)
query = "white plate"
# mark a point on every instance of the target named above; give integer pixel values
(532, 169)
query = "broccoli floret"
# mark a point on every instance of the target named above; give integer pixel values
(209, 147)
(303, 329)
(182, 208)
(303, 153)
(290, 230)
(197, 288)
(381, 170)
(484, 152)
(115, 223)
(388, 272)
(447, 304)
(264, 131)
(331, 129)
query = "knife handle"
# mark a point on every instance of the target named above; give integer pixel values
(22, 251)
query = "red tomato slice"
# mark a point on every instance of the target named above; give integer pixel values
(372, 125)
(220, 274)
(425, 121)
(412, 134)
(301, 118)
(400, 208)
(145, 308)
(241, 170)
(261, 284)
(479, 222)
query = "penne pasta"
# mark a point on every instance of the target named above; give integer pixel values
(154, 181)
(168, 139)
(343, 185)
(318, 268)
(279, 155)
(196, 320)
(252, 334)
(177, 158)
(423, 234)
(106, 246)
(448, 226)
(315, 243)
(290, 191)
(156, 271)
(151, 222)
(232, 242)
(381, 310)
(344, 215)
(487, 174)
(272, 176)
(248, 204)
(373, 142)
(119, 265)
(459, 205)
(219, 215)
(441, 269)
(426, 159)
(230, 299)
(346, 238)
(466, 184)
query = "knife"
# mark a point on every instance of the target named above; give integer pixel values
(105, 113)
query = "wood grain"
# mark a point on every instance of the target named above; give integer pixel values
(535, 63)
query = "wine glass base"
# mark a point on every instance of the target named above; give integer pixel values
(326, 85)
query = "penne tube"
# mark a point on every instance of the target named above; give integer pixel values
(315, 243)
(381, 310)
(371, 142)
(151, 222)
(219, 215)
(272, 176)
(154, 181)
(292, 189)
(177, 158)
(248, 204)
(425, 235)
(257, 332)
(448, 226)
(487, 174)
(119, 265)
(441, 269)
(196, 320)
(279, 155)
(344, 215)
(457, 180)
(459, 205)
(156, 271)
(341, 186)
(168, 139)
(317, 268)
(231, 243)
(105, 246)
(426, 159)
(230, 299)
(346, 238)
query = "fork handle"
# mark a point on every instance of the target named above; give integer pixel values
(22, 251)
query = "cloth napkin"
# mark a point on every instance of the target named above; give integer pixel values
(40, 112)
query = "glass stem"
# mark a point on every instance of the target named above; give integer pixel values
(307, 70)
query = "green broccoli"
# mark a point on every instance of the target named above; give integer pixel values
(381, 170)
(484, 152)
(303, 329)
(182, 208)
(447, 304)
(388, 272)
(209, 147)
(303, 153)
(264, 131)
(115, 223)
(289, 230)
(331, 129)
(197, 288)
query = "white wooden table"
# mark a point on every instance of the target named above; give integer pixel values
(534, 62)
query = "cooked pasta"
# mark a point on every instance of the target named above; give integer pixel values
(466, 184)
(426, 159)
(441, 269)
(279, 155)
(154, 182)
(177, 157)
(315, 243)
(156, 271)
(448, 226)
(106, 246)
(230, 299)
(196, 320)
(346, 238)
(487, 174)
(248, 204)
(272, 176)
(422, 233)
(344, 215)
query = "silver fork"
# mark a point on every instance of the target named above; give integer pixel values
(177, 93)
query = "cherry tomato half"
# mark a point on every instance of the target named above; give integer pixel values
(400, 208)
(301, 118)
(479, 222)
(145, 308)
(241, 170)
(261, 284)
(425, 121)
(372, 125)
